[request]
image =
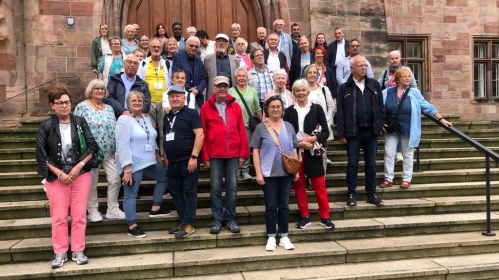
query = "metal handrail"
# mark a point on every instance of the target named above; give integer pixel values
(488, 154)
(76, 78)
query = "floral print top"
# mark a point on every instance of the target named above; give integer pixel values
(102, 124)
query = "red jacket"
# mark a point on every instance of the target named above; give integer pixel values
(220, 140)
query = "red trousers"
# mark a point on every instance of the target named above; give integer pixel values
(319, 186)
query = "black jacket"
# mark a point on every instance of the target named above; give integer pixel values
(116, 98)
(49, 148)
(295, 69)
(346, 109)
(313, 164)
(331, 54)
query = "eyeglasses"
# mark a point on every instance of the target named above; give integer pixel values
(355, 46)
(155, 47)
(62, 103)
(275, 107)
(144, 40)
(100, 88)
(138, 101)
(361, 66)
(193, 46)
(132, 62)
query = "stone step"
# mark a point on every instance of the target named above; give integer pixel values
(11, 143)
(480, 266)
(18, 132)
(215, 258)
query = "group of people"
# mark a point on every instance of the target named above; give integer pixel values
(162, 114)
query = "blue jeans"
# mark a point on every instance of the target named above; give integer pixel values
(154, 172)
(366, 140)
(220, 167)
(183, 188)
(276, 193)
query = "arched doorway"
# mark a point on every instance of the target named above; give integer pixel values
(213, 16)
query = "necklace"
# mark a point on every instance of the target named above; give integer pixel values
(97, 107)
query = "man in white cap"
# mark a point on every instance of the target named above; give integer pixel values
(182, 145)
(225, 148)
(220, 64)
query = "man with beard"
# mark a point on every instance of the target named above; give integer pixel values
(220, 64)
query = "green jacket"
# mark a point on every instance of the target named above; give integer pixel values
(96, 53)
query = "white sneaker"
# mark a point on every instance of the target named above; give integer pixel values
(94, 217)
(329, 162)
(286, 243)
(246, 176)
(270, 244)
(115, 214)
(399, 157)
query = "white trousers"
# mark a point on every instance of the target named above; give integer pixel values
(113, 186)
(391, 142)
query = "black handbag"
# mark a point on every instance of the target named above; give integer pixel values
(392, 123)
(253, 120)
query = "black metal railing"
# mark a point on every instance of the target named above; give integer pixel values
(69, 80)
(488, 154)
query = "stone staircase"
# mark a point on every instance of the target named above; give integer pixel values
(429, 231)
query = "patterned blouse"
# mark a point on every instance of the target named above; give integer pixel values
(102, 124)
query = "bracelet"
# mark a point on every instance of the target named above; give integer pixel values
(127, 171)
(82, 164)
(160, 158)
(59, 176)
(441, 118)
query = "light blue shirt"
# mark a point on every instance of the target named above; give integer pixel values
(343, 70)
(131, 140)
(128, 85)
(286, 46)
(126, 48)
(418, 105)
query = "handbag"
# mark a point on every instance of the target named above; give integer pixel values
(83, 147)
(253, 120)
(392, 124)
(291, 164)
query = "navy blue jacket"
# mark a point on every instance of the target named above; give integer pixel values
(194, 77)
(346, 109)
(116, 97)
(331, 54)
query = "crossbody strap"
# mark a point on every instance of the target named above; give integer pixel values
(244, 102)
(400, 103)
(272, 133)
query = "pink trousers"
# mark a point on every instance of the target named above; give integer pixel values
(74, 197)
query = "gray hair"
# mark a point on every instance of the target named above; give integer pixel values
(193, 38)
(300, 84)
(244, 41)
(242, 69)
(188, 29)
(274, 34)
(93, 83)
(394, 52)
(235, 25)
(128, 26)
(138, 93)
(112, 38)
(281, 72)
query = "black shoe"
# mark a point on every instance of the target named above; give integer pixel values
(327, 223)
(233, 227)
(136, 232)
(303, 223)
(309, 185)
(352, 200)
(159, 213)
(176, 228)
(373, 199)
(216, 227)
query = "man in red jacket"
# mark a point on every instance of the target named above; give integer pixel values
(225, 148)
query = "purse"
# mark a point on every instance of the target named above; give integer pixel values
(254, 120)
(291, 164)
(392, 124)
(84, 147)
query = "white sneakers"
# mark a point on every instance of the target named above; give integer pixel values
(399, 157)
(94, 217)
(270, 244)
(284, 242)
(115, 214)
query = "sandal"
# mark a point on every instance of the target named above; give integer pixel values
(405, 185)
(386, 184)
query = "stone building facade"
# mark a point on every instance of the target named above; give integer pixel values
(440, 38)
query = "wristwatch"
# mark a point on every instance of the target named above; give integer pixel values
(194, 157)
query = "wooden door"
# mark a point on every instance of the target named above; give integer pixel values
(213, 16)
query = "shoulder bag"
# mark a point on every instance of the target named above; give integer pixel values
(253, 120)
(392, 120)
(83, 148)
(291, 164)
